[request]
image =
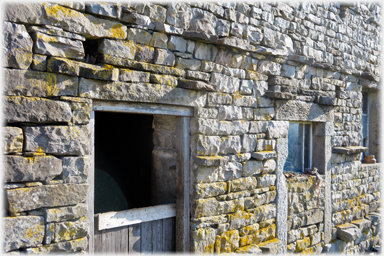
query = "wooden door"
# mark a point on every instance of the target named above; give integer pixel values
(153, 232)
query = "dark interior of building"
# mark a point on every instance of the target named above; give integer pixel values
(123, 146)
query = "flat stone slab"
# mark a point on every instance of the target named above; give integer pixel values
(140, 92)
(39, 168)
(362, 223)
(60, 140)
(294, 110)
(263, 155)
(18, 109)
(23, 232)
(200, 36)
(38, 84)
(271, 246)
(349, 150)
(65, 213)
(348, 232)
(76, 246)
(210, 160)
(30, 198)
(196, 85)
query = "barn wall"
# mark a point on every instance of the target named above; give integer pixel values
(246, 69)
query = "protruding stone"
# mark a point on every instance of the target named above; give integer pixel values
(12, 139)
(349, 233)
(123, 49)
(205, 52)
(73, 246)
(71, 230)
(39, 168)
(127, 75)
(196, 85)
(203, 240)
(18, 109)
(263, 155)
(23, 232)
(164, 57)
(270, 247)
(103, 9)
(252, 168)
(73, 140)
(25, 199)
(17, 46)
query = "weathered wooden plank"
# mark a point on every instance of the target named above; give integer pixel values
(182, 185)
(121, 240)
(146, 237)
(141, 108)
(157, 236)
(168, 235)
(108, 241)
(91, 182)
(134, 244)
(97, 241)
(124, 218)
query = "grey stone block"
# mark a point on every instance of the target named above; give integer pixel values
(65, 213)
(39, 168)
(12, 139)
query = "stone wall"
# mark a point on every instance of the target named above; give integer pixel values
(246, 69)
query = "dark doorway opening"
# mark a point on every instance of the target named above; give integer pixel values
(123, 147)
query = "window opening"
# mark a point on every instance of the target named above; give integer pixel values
(123, 148)
(299, 147)
(365, 122)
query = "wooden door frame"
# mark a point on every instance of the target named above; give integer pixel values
(182, 115)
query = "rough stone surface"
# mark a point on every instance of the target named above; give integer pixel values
(38, 168)
(141, 92)
(38, 84)
(73, 246)
(123, 49)
(71, 230)
(75, 169)
(25, 199)
(23, 232)
(65, 213)
(17, 46)
(18, 109)
(301, 111)
(60, 140)
(12, 139)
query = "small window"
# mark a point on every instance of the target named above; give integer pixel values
(365, 122)
(299, 147)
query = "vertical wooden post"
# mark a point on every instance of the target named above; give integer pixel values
(91, 183)
(182, 185)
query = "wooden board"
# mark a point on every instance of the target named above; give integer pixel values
(146, 237)
(157, 236)
(109, 220)
(134, 243)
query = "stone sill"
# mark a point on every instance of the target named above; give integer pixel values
(365, 166)
(349, 150)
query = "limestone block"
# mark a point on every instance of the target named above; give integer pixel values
(178, 14)
(258, 127)
(206, 207)
(240, 127)
(144, 53)
(205, 51)
(75, 169)
(57, 46)
(140, 92)
(30, 13)
(269, 68)
(263, 155)
(39, 62)
(252, 168)
(71, 230)
(264, 114)
(84, 24)
(177, 43)
(103, 9)
(362, 223)
(210, 189)
(209, 174)
(12, 139)
(165, 28)
(38, 168)
(271, 246)
(203, 240)
(23, 232)
(65, 213)
(232, 170)
(230, 113)
(163, 79)
(208, 145)
(266, 180)
(159, 40)
(315, 217)
(17, 46)
(277, 129)
(249, 143)
(249, 229)
(49, 233)
(249, 249)
(246, 87)
(269, 166)
(38, 84)
(164, 57)
(225, 83)
(229, 58)
(123, 49)
(73, 140)
(18, 109)
(209, 160)
(73, 246)
(302, 244)
(241, 184)
(139, 36)
(155, 12)
(197, 75)
(293, 110)
(348, 232)
(240, 219)
(230, 145)
(231, 205)
(227, 242)
(24, 199)
(127, 75)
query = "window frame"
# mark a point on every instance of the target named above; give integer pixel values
(310, 145)
(365, 141)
